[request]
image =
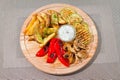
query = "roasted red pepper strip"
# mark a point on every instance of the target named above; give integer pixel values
(60, 52)
(51, 52)
(52, 57)
(64, 61)
(42, 52)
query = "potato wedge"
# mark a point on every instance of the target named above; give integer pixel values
(30, 24)
(54, 19)
(31, 29)
(61, 20)
(50, 12)
(37, 34)
(41, 20)
(48, 31)
(46, 17)
(46, 40)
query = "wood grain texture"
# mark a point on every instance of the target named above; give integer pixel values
(30, 48)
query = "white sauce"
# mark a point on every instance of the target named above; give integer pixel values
(66, 33)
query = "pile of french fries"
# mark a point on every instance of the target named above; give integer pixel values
(43, 26)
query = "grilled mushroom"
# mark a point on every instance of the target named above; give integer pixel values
(70, 56)
(82, 54)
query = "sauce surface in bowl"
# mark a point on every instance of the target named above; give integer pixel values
(66, 33)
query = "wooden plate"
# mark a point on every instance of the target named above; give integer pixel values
(30, 48)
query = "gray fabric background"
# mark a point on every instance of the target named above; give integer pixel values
(104, 66)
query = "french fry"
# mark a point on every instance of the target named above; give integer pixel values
(31, 38)
(42, 21)
(55, 26)
(61, 20)
(37, 34)
(46, 17)
(49, 30)
(46, 40)
(30, 24)
(54, 19)
(50, 12)
(31, 29)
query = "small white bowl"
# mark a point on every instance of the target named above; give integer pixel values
(66, 33)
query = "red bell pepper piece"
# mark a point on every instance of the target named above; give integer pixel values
(51, 52)
(64, 61)
(42, 52)
(60, 51)
(52, 57)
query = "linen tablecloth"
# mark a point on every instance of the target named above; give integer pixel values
(104, 66)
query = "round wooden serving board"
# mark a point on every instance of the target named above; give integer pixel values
(30, 48)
